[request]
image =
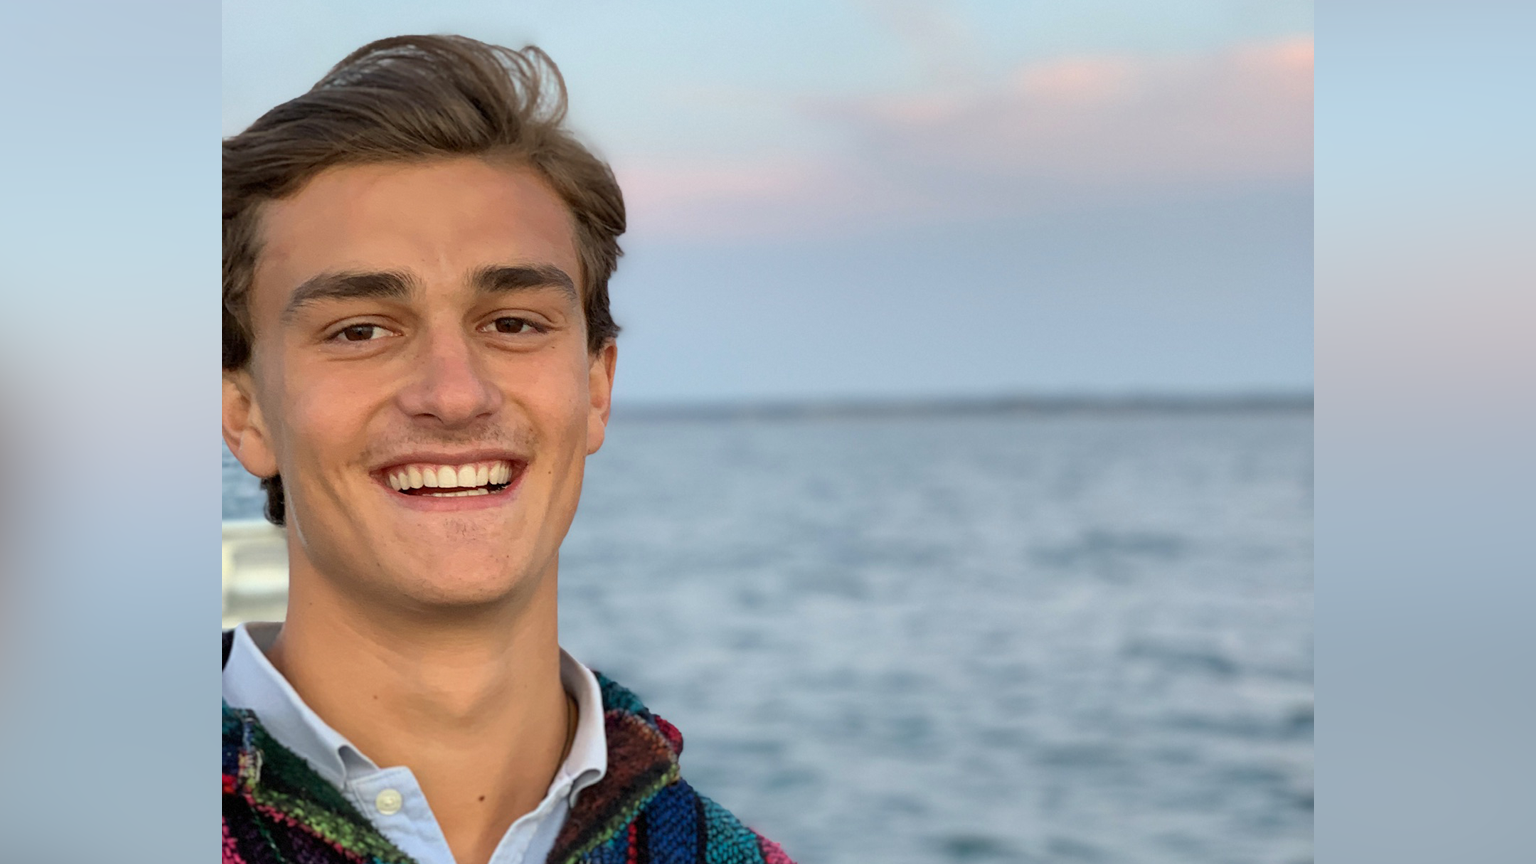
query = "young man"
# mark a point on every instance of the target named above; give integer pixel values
(418, 358)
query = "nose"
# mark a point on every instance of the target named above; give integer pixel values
(450, 386)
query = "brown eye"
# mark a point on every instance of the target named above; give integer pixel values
(361, 333)
(511, 325)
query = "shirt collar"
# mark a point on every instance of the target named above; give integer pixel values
(252, 682)
(588, 760)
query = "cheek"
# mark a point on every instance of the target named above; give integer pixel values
(555, 400)
(578, 407)
(556, 393)
(325, 420)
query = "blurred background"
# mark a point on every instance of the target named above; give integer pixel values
(958, 501)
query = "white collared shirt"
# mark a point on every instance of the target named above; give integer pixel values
(391, 797)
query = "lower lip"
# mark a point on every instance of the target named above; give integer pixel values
(433, 504)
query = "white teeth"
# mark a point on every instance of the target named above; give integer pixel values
(472, 478)
(466, 493)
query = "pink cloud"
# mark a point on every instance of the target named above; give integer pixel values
(1243, 114)
(1048, 134)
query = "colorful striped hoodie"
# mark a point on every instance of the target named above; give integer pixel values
(277, 810)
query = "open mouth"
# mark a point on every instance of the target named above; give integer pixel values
(453, 481)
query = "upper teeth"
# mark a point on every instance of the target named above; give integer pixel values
(449, 476)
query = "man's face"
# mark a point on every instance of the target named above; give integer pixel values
(420, 377)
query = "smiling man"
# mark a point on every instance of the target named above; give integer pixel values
(418, 358)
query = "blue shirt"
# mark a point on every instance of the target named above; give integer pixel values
(390, 797)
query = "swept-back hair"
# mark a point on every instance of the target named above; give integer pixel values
(407, 99)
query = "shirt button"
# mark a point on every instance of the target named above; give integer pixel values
(388, 802)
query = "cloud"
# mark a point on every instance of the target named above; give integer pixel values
(1107, 121)
(1095, 128)
(931, 32)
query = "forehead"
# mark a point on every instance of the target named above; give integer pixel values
(439, 220)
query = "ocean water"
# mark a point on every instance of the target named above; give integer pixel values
(1067, 637)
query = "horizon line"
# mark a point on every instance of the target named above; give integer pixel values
(1022, 403)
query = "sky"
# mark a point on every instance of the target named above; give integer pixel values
(913, 198)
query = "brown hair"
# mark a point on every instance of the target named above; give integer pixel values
(409, 98)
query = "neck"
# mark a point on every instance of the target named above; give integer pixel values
(470, 700)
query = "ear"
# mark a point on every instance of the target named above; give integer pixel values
(600, 386)
(245, 430)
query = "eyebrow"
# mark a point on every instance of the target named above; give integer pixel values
(500, 279)
(495, 279)
(349, 286)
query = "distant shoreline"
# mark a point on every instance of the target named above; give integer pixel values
(1235, 403)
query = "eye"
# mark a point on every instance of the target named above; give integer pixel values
(513, 326)
(360, 333)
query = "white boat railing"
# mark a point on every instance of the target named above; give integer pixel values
(255, 572)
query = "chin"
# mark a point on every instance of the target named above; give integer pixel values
(458, 564)
(464, 586)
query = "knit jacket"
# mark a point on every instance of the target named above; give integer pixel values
(278, 810)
